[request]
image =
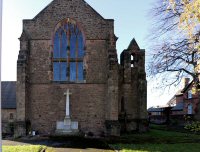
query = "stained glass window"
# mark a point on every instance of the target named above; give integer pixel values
(68, 53)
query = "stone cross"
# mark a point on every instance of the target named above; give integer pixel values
(67, 103)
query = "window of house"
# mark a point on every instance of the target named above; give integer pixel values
(190, 109)
(11, 116)
(189, 94)
(158, 113)
(68, 53)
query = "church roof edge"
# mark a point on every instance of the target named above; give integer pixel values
(82, 0)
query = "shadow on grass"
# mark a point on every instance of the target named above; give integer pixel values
(153, 137)
(77, 142)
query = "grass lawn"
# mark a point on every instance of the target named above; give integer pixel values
(157, 136)
(185, 147)
(31, 148)
(158, 141)
(152, 141)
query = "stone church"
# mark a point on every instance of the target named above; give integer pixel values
(69, 79)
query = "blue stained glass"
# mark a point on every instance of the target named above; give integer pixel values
(56, 51)
(63, 71)
(80, 70)
(66, 27)
(60, 51)
(56, 71)
(73, 45)
(77, 31)
(64, 45)
(80, 46)
(72, 71)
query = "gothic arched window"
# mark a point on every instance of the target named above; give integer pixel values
(68, 53)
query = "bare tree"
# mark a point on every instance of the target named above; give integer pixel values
(173, 53)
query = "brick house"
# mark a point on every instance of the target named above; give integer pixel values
(69, 78)
(8, 105)
(185, 101)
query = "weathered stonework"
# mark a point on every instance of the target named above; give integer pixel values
(8, 117)
(96, 102)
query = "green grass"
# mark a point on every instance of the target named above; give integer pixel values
(159, 127)
(186, 147)
(157, 136)
(154, 140)
(158, 141)
(30, 148)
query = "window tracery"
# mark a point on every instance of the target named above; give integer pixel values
(68, 53)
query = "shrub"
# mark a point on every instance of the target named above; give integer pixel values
(193, 126)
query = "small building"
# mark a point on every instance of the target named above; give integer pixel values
(156, 111)
(159, 114)
(8, 104)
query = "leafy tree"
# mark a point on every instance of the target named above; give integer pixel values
(190, 17)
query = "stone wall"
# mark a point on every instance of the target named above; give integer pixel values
(93, 24)
(87, 106)
(133, 90)
(95, 61)
(95, 102)
(44, 99)
(8, 116)
(88, 99)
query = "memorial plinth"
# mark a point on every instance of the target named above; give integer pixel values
(67, 127)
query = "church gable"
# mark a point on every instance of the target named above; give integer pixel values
(68, 76)
(42, 25)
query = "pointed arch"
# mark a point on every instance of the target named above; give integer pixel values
(68, 51)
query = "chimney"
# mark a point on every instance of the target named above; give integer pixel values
(185, 82)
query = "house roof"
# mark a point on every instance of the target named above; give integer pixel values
(178, 107)
(187, 86)
(180, 92)
(158, 109)
(172, 101)
(8, 95)
(152, 109)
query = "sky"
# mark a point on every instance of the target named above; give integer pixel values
(131, 21)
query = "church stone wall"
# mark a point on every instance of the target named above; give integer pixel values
(40, 64)
(96, 59)
(7, 122)
(95, 102)
(5, 116)
(39, 61)
(93, 25)
(133, 89)
(88, 99)
(47, 105)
